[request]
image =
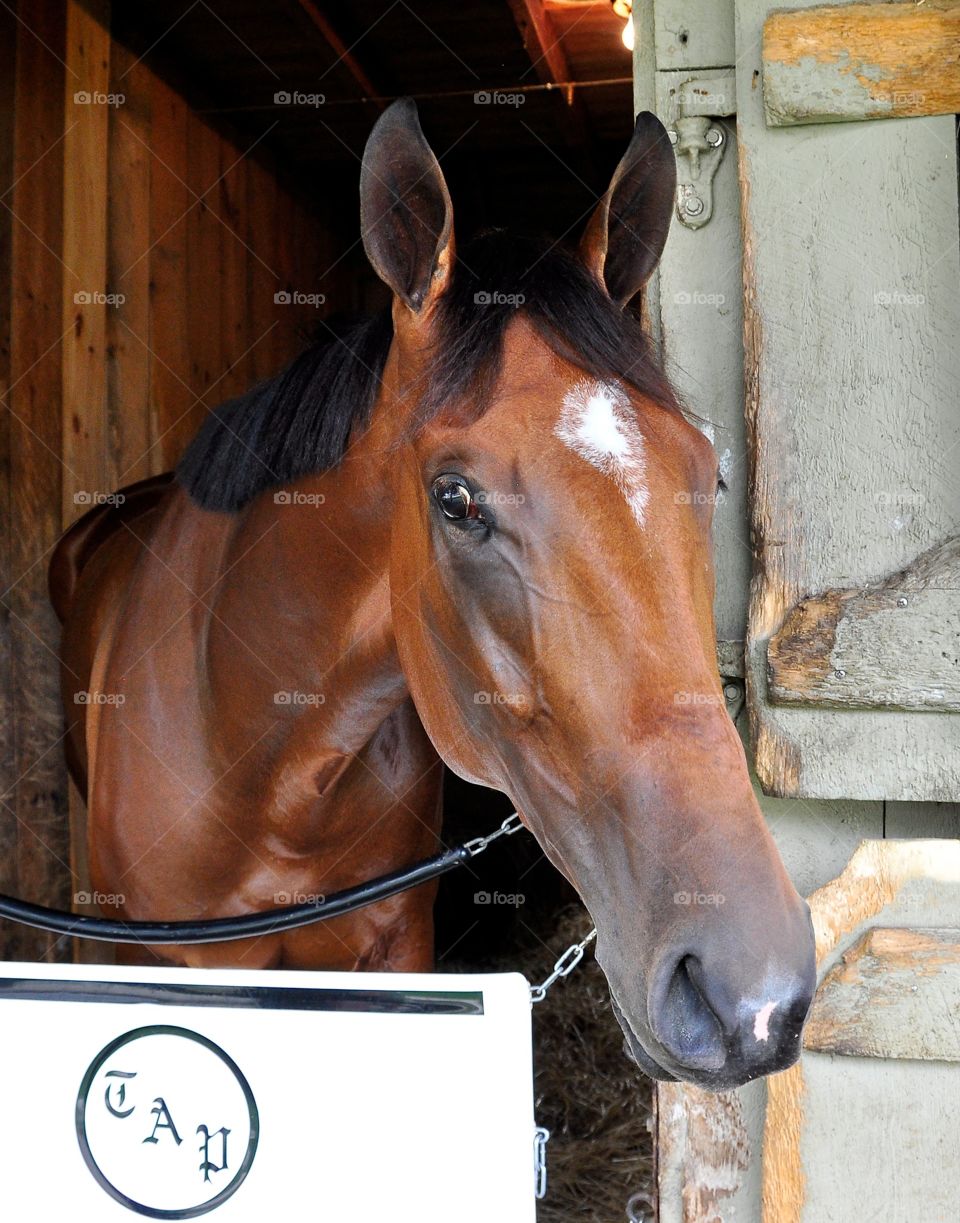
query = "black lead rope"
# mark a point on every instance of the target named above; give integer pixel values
(272, 921)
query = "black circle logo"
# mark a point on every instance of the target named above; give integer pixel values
(166, 1122)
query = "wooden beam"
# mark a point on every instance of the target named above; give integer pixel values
(895, 993)
(895, 645)
(542, 44)
(861, 61)
(549, 61)
(343, 53)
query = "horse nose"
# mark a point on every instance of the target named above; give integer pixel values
(706, 1022)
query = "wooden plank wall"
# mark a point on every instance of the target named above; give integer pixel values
(140, 252)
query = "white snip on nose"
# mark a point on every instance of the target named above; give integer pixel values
(597, 423)
(761, 1021)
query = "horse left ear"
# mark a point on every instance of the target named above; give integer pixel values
(406, 217)
(625, 236)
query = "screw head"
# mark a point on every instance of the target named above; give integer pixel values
(839, 673)
(714, 137)
(731, 692)
(693, 205)
(901, 602)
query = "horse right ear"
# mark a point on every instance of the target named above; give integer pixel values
(406, 217)
(625, 236)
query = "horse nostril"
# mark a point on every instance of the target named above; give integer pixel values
(709, 1021)
(685, 1023)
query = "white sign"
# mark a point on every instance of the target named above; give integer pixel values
(339, 1097)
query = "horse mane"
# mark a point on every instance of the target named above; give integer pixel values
(302, 421)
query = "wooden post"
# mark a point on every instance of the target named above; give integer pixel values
(33, 818)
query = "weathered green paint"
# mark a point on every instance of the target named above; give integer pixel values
(894, 645)
(851, 267)
(812, 91)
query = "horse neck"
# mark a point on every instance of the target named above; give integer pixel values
(302, 625)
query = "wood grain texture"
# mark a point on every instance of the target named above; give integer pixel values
(85, 445)
(8, 696)
(90, 469)
(895, 644)
(204, 261)
(130, 164)
(852, 376)
(98, 390)
(894, 993)
(898, 882)
(34, 814)
(861, 61)
(171, 389)
(703, 1144)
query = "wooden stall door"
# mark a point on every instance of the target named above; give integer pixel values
(852, 312)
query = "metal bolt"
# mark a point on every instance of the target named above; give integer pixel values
(731, 692)
(839, 674)
(672, 134)
(693, 205)
(901, 602)
(714, 137)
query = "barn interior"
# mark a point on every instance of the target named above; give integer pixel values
(201, 158)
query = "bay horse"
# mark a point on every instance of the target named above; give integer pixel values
(473, 530)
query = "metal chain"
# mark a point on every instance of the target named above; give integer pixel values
(563, 967)
(509, 826)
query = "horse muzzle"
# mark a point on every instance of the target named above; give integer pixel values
(714, 1029)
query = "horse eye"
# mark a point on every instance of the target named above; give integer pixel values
(455, 499)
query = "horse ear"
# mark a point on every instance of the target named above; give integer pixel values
(625, 236)
(405, 212)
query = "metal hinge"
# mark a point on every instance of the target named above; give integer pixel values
(696, 101)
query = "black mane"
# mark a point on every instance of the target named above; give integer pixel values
(301, 422)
